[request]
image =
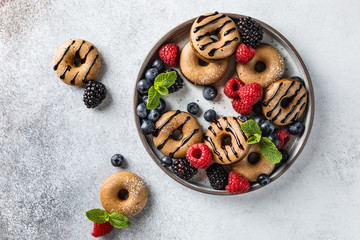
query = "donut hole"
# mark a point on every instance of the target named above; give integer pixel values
(202, 62)
(260, 66)
(197, 153)
(214, 37)
(77, 61)
(123, 194)
(286, 102)
(253, 158)
(226, 140)
(176, 135)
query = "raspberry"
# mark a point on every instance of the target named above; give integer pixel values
(218, 176)
(237, 183)
(169, 54)
(241, 107)
(101, 229)
(199, 155)
(251, 93)
(284, 137)
(244, 54)
(232, 88)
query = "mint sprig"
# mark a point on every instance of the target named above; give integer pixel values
(161, 84)
(267, 147)
(101, 216)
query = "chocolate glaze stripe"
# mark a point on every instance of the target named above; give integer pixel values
(213, 51)
(77, 53)
(202, 17)
(268, 114)
(225, 152)
(242, 132)
(297, 114)
(221, 26)
(83, 60)
(199, 38)
(229, 31)
(209, 23)
(277, 115)
(72, 82)
(162, 144)
(184, 141)
(229, 128)
(92, 64)
(293, 108)
(66, 50)
(156, 133)
(265, 104)
(212, 130)
(218, 124)
(233, 150)
(62, 76)
(204, 46)
(209, 139)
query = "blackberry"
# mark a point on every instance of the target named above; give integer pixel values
(218, 176)
(251, 31)
(179, 82)
(183, 169)
(94, 94)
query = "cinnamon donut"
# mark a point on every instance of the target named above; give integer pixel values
(253, 164)
(76, 62)
(284, 101)
(226, 140)
(125, 193)
(175, 132)
(205, 31)
(266, 66)
(200, 73)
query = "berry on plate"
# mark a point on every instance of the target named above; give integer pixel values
(94, 94)
(251, 93)
(296, 128)
(210, 92)
(162, 105)
(267, 127)
(151, 74)
(251, 31)
(217, 175)
(244, 54)
(241, 107)
(275, 139)
(117, 160)
(169, 53)
(210, 115)
(158, 64)
(284, 137)
(153, 115)
(143, 86)
(263, 179)
(101, 229)
(237, 183)
(179, 82)
(243, 118)
(199, 155)
(166, 161)
(183, 169)
(232, 88)
(193, 108)
(141, 110)
(285, 155)
(147, 127)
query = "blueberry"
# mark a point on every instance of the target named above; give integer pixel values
(274, 138)
(153, 115)
(263, 179)
(151, 74)
(210, 115)
(145, 99)
(257, 108)
(209, 92)
(117, 160)
(143, 86)
(147, 127)
(166, 161)
(158, 64)
(299, 79)
(296, 128)
(243, 118)
(161, 107)
(141, 110)
(258, 120)
(267, 127)
(193, 108)
(285, 155)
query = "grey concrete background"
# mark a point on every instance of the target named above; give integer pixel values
(55, 153)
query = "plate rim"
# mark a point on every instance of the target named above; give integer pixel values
(310, 110)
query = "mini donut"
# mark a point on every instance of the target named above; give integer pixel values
(76, 62)
(267, 66)
(197, 73)
(129, 204)
(250, 168)
(284, 101)
(189, 133)
(226, 140)
(202, 35)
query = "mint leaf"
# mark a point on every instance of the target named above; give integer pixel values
(162, 90)
(269, 150)
(254, 139)
(98, 215)
(251, 127)
(119, 221)
(165, 79)
(153, 98)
